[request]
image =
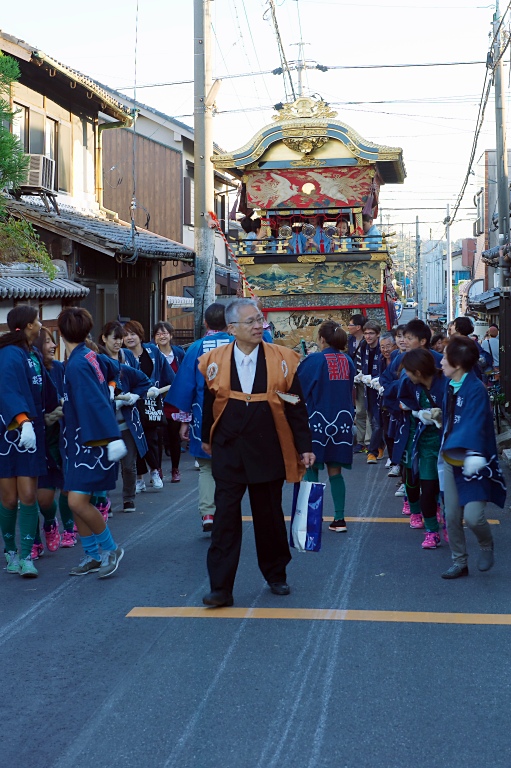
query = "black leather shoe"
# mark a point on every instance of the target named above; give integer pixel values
(455, 571)
(280, 588)
(218, 598)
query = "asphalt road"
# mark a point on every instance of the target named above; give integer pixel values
(85, 685)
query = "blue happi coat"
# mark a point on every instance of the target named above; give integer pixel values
(23, 390)
(371, 395)
(410, 395)
(89, 418)
(326, 379)
(129, 379)
(54, 477)
(187, 390)
(468, 426)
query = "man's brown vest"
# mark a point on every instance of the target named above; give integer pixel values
(281, 365)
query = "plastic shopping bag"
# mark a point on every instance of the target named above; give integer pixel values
(307, 516)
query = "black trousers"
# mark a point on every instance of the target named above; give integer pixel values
(269, 528)
(171, 440)
(154, 448)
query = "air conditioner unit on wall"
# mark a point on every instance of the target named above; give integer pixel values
(40, 173)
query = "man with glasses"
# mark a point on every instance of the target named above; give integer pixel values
(256, 428)
(368, 365)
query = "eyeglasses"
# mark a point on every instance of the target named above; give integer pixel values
(250, 322)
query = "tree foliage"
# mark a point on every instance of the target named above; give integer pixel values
(18, 239)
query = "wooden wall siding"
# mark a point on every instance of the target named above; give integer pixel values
(159, 181)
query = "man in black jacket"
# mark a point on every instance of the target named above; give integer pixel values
(255, 412)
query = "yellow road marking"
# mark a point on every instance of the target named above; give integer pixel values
(321, 614)
(404, 519)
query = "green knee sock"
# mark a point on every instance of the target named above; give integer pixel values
(415, 507)
(66, 514)
(431, 524)
(49, 514)
(29, 514)
(37, 539)
(8, 527)
(311, 475)
(338, 490)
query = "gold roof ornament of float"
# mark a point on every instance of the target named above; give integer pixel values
(310, 136)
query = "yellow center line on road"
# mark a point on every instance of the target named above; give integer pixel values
(322, 614)
(248, 519)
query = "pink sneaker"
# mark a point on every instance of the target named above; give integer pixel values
(67, 539)
(36, 551)
(104, 508)
(52, 537)
(439, 514)
(406, 508)
(431, 540)
(416, 521)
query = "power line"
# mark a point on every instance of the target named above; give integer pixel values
(283, 60)
(318, 66)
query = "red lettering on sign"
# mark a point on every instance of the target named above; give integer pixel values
(338, 367)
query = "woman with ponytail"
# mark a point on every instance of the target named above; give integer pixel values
(327, 382)
(25, 390)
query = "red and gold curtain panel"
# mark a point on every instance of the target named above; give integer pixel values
(314, 188)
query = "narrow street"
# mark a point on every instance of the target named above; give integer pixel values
(373, 661)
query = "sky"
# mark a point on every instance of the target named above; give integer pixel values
(429, 111)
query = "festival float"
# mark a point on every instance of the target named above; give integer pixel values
(307, 183)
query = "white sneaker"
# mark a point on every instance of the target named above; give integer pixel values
(140, 486)
(395, 470)
(388, 464)
(156, 480)
(401, 491)
(197, 465)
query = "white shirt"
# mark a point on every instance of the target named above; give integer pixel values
(246, 367)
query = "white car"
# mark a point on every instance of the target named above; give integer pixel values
(410, 304)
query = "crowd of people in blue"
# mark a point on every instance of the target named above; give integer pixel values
(67, 428)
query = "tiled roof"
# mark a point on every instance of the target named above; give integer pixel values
(111, 237)
(110, 104)
(28, 281)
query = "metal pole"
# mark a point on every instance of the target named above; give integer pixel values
(204, 236)
(500, 123)
(447, 223)
(419, 272)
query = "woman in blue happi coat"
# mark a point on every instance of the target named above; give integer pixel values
(153, 363)
(25, 394)
(326, 378)
(53, 480)
(468, 465)
(132, 384)
(421, 391)
(92, 442)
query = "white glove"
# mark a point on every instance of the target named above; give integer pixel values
(358, 378)
(119, 404)
(116, 450)
(381, 390)
(375, 383)
(366, 379)
(27, 439)
(132, 398)
(473, 465)
(424, 416)
(153, 392)
(111, 387)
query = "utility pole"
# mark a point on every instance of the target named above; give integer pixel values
(204, 196)
(447, 222)
(419, 273)
(500, 123)
(300, 66)
(503, 209)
